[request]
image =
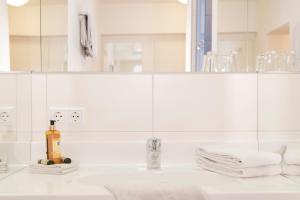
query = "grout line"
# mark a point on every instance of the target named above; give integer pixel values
(152, 109)
(16, 107)
(257, 111)
(41, 41)
(31, 120)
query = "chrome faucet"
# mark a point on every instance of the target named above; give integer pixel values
(154, 153)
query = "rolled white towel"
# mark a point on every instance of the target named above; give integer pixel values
(239, 158)
(291, 155)
(249, 172)
(155, 190)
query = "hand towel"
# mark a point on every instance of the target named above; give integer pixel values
(238, 157)
(248, 172)
(291, 170)
(86, 41)
(291, 155)
(155, 191)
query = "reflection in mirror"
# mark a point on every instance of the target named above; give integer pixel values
(24, 35)
(15, 122)
(151, 36)
(114, 35)
(257, 35)
(236, 36)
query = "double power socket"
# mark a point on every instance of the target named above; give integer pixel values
(7, 115)
(66, 115)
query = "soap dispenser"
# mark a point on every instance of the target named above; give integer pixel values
(53, 144)
(153, 153)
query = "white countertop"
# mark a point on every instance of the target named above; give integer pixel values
(88, 183)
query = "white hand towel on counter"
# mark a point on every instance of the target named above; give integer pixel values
(57, 169)
(238, 157)
(248, 172)
(155, 191)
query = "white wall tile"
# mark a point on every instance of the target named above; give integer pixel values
(279, 105)
(110, 102)
(15, 152)
(206, 102)
(23, 93)
(39, 103)
(279, 110)
(8, 98)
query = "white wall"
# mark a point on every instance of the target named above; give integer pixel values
(4, 38)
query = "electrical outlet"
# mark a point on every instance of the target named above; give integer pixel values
(65, 116)
(58, 114)
(6, 115)
(76, 116)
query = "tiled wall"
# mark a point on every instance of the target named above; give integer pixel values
(15, 98)
(279, 110)
(188, 110)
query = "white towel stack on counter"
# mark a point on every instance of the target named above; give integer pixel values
(57, 169)
(291, 161)
(3, 166)
(239, 163)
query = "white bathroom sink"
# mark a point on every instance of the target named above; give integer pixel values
(88, 184)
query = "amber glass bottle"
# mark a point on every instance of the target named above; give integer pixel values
(53, 144)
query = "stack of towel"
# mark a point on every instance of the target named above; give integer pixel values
(57, 169)
(239, 163)
(291, 161)
(3, 166)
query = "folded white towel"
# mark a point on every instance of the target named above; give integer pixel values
(155, 190)
(291, 170)
(3, 167)
(239, 158)
(58, 169)
(248, 172)
(291, 155)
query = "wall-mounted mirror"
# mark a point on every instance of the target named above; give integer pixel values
(257, 35)
(151, 36)
(114, 35)
(20, 35)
